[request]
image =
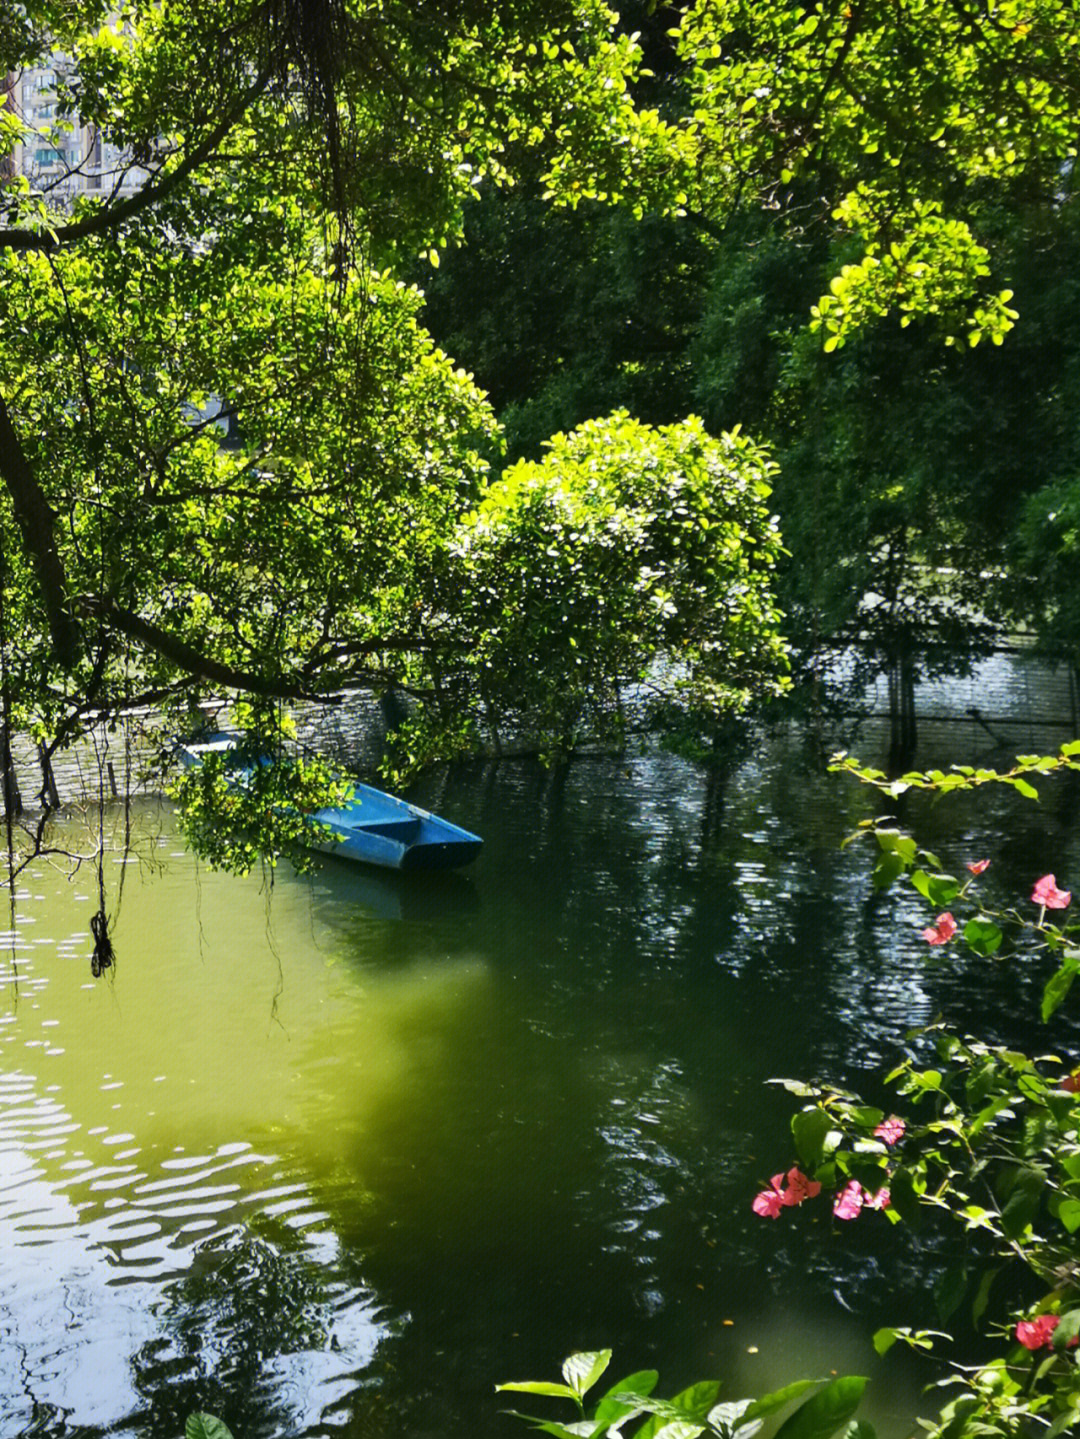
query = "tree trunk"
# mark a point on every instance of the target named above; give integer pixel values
(37, 524)
(13, 805)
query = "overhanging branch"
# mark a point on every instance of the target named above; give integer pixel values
(185, 657)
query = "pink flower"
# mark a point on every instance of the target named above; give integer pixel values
(890, 1130)
(770, 1201)
(1047, 894)
(1035, 1333)
(978, 865)
(853, 1198)
(849, 1201)
(800, 1187)
(941, 931)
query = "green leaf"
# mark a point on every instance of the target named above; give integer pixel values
(690, 1408)
(729, 1419)
(1027, 790)
(771, 1403)
(890, 841)
(205, 1426)
(884, 1339)
(983, 936)
(555, 1391)
(1069, 1214)
(698, 1399)
(950, 1290)
(888, 868)
(1057, 987)
(1023, 1203)
(826, 1411)
(611, 1406)
(1067, 1331)
(905, 1198)
(581, 1371)
(811, 1127)
(982, 1296)
(939, 889)
(557, 1431)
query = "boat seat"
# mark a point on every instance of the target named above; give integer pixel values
(400, 829)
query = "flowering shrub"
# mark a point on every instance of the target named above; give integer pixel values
(990, 1145)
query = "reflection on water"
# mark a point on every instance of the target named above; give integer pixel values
(335, 1155)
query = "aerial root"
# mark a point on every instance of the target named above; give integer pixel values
(103, 951)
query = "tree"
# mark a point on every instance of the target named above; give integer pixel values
(897, 124)
(242, 272)
(629, 558)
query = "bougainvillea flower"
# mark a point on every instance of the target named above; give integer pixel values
(1071, 1082)
(849, 1201)
(1047, 893)
(978, 865)
(800, 1187)
(1037, 1333)
(770, 1201)
(880, 1199)
(891, 1130)
(941, 931)
(1034, 1333)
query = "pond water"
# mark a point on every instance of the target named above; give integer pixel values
(334, 1156)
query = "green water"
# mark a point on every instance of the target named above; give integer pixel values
(334, 1156)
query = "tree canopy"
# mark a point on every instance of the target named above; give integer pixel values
(899, 124)
(240, 270)
(246, 265)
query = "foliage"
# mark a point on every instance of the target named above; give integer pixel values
(244, 807)
(563, 315)
(231, 458)
(627, 556)
(961, 777)
(895, 122)
(693, 1411)
(989, 1145)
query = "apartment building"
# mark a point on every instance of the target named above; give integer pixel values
(62, 162)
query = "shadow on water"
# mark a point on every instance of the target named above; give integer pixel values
(337, 1157)
(340, 887)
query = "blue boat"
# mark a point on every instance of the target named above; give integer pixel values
(373, 827)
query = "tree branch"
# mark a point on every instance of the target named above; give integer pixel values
(189, 659)
(103, 220)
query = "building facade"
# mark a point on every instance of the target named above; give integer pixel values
(61, 156)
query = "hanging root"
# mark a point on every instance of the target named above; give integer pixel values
(103, 951)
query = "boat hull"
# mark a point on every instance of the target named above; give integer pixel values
(376, 828)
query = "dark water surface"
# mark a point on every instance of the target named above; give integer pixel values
(337, 1157)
